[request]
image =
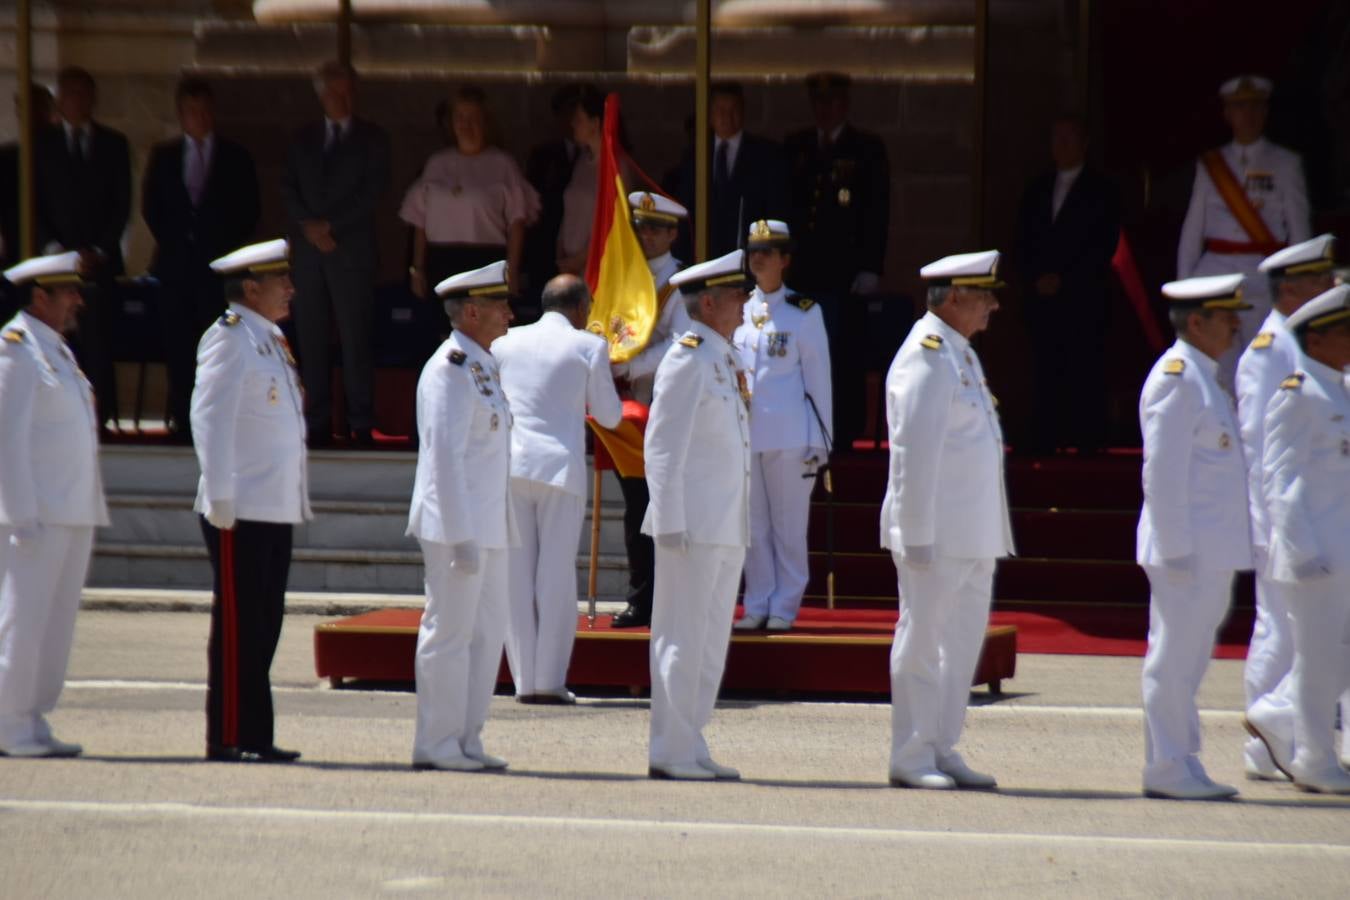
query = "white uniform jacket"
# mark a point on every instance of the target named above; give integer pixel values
(786, 357)
(1307, 464)
(1195, 478)
(672, 321)
(248, 421)
(946, 486)
(460, 492)
(1267, 361)
(1273, 178)
(551, 373)
(697, 444)
(49, 470)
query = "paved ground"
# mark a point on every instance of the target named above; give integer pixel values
(141, 815)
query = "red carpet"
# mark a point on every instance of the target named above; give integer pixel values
(832, 653)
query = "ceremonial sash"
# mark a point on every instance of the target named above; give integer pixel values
(1235, 198)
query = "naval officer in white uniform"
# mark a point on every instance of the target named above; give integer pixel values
(51, 499)
(1307, 486)
(461, 515)
(1193, 534)
(553, 372)
(248, 426)
(944, 519)
(656, 221)
(1295, 275)
(697, 450)
(786, 356)
(1248, 201)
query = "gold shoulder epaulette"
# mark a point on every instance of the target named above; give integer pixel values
(691, 340)
(230, 319)
(802, 303)
(458, 356)
(1293, 382)
(1263, 340)
(14, 335)
(1174, 367)
(932, 342)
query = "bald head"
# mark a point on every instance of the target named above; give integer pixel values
(569, 295)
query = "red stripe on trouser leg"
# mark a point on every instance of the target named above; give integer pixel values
(229, 644)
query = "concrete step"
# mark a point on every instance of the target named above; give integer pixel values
(337, 524)
(312, 569)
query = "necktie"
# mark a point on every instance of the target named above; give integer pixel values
(721, 171)
(334, 136)
(196, 172)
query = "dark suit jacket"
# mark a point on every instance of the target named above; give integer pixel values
(188, 238)
(342, 187)
(757, 189)
(841, 207)
(84, 205)
(549, 169)
(1077, 245)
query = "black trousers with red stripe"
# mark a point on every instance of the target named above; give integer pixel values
(251, 563)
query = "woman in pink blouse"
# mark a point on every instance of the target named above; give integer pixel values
(471, 205)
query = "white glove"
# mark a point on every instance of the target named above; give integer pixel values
(220, 513)
(675, 540)
(1313, 569)
(1179, 567)
(25, 535)
(465, 558)
(865, 283)
(917, 556)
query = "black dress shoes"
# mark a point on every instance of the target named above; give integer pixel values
(272, 754)
(632, 617)
(363, 438)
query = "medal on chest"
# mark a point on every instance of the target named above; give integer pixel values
(742, 385)
(482, 379)
(273, 395)
(778, 343)
(1225, 441)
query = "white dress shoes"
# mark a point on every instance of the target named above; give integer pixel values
(749, 623)
(720, 772)
(1258, 765)
(63, 748)
(34, 750)
(1333, 781)
(955, 768)
(1265, 723)
(926, 779)
(488, 760)
(449, 764)
(778, 623)
(1190, 788)
(680, 772)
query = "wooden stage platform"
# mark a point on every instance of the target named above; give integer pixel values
(829, 652)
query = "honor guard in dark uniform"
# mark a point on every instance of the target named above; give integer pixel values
(248, 425)
(841, 205)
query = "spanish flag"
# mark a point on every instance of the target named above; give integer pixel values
(624, 307)
(624, 296)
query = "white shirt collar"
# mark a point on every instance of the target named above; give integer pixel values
(1255, 148)
(947, 332)
(1069, 174)
(657, 263)
(1197, 356)
(47, 336)
(475, 351)
(773, 298)
(254, 319)
(344, 125)
(733, 143)
(708, 334)
(833, 134)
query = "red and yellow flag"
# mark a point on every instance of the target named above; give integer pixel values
(624, 307)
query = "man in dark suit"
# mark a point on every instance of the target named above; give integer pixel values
(83, 179)
(334, 174)
(749, 175)
(841, 205)
(44, 111)
(1068, 228)
(200, 200)
(549, 169)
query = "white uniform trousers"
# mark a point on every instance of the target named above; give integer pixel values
(776, 567)
(1270, 655)
(1184, 615)
(459, 651)
(944, 612)
(693, 602)
(40, 584)
(542, 624)
(1321, 614)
